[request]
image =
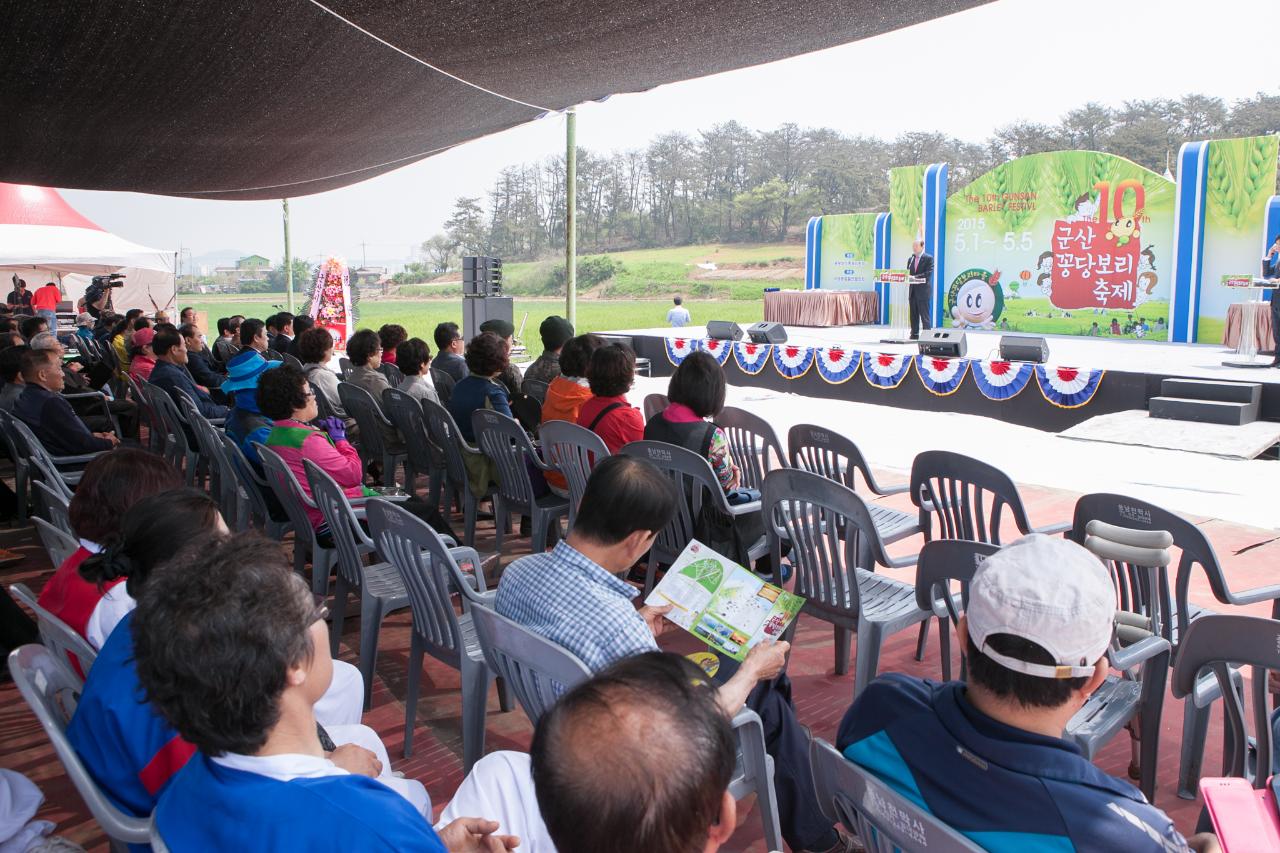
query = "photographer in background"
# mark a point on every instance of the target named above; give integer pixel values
(97, 296)
(19, 300)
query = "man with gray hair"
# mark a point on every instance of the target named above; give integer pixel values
(1036, 632)
(77, 379)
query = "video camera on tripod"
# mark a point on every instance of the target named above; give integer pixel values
(100, 286)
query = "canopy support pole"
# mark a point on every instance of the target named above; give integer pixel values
(288, 256)
(571, 216)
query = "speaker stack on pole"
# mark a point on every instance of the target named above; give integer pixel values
(482, 294)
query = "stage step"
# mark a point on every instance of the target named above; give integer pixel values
(1203, 411)
(1208, 389)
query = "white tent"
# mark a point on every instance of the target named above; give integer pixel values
(43, 238)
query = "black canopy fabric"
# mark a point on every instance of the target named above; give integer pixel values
(253, 99)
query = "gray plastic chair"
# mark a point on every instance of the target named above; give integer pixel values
(421, 456)
(379, 585)
(575, 450)
(289, 493)
(196, 437)
(394, 374)
(539, 671)
(1137, 693)
(344, 367)
(177, 448)
(54, 505)
(1221, 644)
(1197, 554)
(444, 384)
(371, 443)
(147, 412)
(52, 692)
(290, 358)
(27, 448)
(323, 409)
(504, 441)
(967, 498)
(431, 575)
(445, 435)
(157, 843)
(938, 564)
(828, 527)
(254, 489)
(823, 451)
(654, 404)
(57, 635)
(752, 443)
(701, 489)
(884, 820)
(21, 466)
(57, 544)
(224, 481)
(536, 389)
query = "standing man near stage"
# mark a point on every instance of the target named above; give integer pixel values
(920, 266)
(1271, 269)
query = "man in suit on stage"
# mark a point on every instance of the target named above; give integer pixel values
(920, 265)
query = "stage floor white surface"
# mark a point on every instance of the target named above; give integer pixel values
(1237, 490)
(1202, 361)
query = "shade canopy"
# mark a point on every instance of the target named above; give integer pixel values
(254, 99)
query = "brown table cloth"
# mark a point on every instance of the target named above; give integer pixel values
(822, 307)
(1231, 332)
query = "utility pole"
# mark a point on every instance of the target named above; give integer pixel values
(364, 254)
(571, 216)
(288, 256)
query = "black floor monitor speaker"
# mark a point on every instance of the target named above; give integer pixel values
(768, 333)
(945, 343)
(1024, 348)
(724, 330)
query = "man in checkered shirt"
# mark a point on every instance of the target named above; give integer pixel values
(573, 597)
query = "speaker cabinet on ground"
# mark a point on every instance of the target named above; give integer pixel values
(724, 330)
(1024, 348)
(945, 343)
(768, 333)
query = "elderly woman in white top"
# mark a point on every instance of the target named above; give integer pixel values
(413, 357)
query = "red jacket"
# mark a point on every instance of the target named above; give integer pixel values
(622, 425)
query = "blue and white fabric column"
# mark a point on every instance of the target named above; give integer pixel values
(934, 217)
(1188, 242)
(813, 253)
(883, 255)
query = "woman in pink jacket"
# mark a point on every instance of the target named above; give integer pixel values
(285, 396)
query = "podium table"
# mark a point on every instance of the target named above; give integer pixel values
(821, 307)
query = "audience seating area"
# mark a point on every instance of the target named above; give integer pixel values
(872, 561)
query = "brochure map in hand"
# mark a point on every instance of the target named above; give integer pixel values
(723, 604)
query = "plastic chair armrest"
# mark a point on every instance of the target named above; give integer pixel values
(747, 717)
(900, 562)
(891, 490)
(1139, 652)
(76, 460)
(1253, 596)
(1050, 529)
(744, 509)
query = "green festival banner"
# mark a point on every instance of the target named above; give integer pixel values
(848, 252)
(906, 207)
(1240, 178)
(1066, 242)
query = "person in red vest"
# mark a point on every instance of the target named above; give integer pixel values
(45, 302)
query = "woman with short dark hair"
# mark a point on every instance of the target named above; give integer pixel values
(413, 357)
(695, 394)
(110, 485)
(610, 374)
(486, 359)
(315, 349)
(392, 335)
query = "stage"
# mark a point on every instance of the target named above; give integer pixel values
(1084, 377)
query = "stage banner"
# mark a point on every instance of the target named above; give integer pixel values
(1065, 242)
(1240, 178)
(906, 207)
(847, 259)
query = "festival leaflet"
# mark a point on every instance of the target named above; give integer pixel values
(721, 603)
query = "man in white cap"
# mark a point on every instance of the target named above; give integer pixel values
(988, 757)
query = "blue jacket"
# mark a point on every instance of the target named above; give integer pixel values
(1005, 788)
(246, 424)
(470, 394)
(54, 422)
(202, 369)
(212, 807)
(129, 749)
(173, 378)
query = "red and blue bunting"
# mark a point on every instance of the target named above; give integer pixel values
(679, 348)
(751, 358)
(885, 370)
(1001, 380)
(793, 361)
(838, 364)
(941, 376)
(1068, 387)
(719, 349)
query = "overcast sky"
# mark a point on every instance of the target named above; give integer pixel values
(962, 75)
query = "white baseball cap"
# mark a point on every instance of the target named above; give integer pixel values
(1051, 592)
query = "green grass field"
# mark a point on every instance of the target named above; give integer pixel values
(1081, 319)
(420, 316)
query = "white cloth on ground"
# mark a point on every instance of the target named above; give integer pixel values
(19, 801)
